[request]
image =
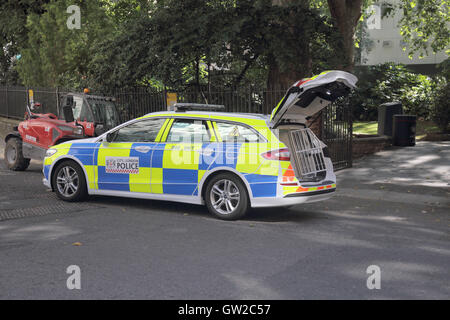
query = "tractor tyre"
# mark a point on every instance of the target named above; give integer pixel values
(14, 157)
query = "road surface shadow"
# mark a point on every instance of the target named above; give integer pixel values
(255, 214)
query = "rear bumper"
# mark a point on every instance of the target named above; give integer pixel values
(293, 199)
(309, 194)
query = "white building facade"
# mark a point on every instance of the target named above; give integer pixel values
(386, 43)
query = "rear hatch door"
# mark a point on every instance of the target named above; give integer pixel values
(308, 96)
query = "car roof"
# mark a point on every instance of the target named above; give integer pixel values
(212, 115)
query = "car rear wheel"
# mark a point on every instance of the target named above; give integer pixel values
(226, 197)
(69, 182)
(14, 156)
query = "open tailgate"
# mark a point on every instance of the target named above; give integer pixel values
(308, 96)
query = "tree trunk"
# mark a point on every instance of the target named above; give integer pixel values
(282, 79)
(346, 14)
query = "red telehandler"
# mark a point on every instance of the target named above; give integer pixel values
(81, 116)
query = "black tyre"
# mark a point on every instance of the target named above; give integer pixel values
(14, 156)
(226, 197)
(69, 182)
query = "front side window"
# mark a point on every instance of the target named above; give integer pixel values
(188, 131)
(231, 132)
(141, 131)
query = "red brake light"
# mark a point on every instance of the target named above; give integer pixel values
(280, 155)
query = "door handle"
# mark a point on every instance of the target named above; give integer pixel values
(206, 152)
(142, 149)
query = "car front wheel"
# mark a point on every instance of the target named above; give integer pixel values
(226, 197)
(69, 182)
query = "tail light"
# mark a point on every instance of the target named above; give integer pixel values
(280, 155)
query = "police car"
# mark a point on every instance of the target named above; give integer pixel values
(197, 154)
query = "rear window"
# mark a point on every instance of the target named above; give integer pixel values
(232, 132)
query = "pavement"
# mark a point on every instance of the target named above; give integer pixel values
(392, 210)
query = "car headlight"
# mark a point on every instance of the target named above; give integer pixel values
(78, 131)
(50, 152)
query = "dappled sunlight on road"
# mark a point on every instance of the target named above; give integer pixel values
(36, 232)
(418, 160)
(248, 287)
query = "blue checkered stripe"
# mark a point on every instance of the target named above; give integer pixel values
(262, 185)
(174, 181)
(83, 152)
(121, 181)
(185, 181)
(46, 171)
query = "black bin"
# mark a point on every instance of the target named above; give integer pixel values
(404, 130)
(386, 113)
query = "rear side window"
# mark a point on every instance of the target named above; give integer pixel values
(188, 131)
(231, 132)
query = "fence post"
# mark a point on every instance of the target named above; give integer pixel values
(57, 101)
(42, 104)
(249, 99)
(27, 96)
(165, 98)
(350, 122)
(7, 104)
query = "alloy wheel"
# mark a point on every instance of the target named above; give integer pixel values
(225, 196)
(67, 181)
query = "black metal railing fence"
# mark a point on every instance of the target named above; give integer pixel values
(13, 100)
(335, 128)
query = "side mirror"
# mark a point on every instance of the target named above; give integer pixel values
(110, 137)
(68, 113)
(99, 129)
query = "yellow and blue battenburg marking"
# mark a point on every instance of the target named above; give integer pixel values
(180, 168)
(166, 168)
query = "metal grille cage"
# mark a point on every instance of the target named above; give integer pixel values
(307, 155)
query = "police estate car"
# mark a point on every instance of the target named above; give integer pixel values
(228, 161)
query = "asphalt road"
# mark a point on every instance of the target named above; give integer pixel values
(391, 210)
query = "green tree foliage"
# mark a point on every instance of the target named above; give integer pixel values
(192, 42)
(440, 111)
(392, 82)
(55, 55)
(179, 41)
(425, 24)
(14, 34)
(302, 39)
